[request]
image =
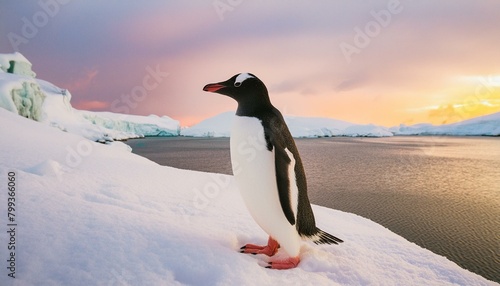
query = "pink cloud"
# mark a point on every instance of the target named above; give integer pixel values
(83, 82)
(92, 105)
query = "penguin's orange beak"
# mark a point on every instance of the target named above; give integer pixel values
(213, 87)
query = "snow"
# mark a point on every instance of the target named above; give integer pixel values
(314, 127)
(487, 125)
(90, 214)
(220, 126)
(217, 126)
(43, 101)
(321, 127)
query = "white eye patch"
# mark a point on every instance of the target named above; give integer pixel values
(241, 78)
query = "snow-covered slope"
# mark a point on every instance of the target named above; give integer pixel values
(220, 126)
(43, 101)
(91, 214)
(488, 125)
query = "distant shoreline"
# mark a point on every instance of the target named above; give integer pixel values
(318, 137)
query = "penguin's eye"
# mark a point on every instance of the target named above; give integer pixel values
(237, 84)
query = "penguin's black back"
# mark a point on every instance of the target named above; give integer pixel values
(279, 138)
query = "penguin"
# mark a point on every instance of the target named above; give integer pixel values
(268, 172)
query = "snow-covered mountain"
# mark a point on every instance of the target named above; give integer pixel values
(22, 93)
(220, 126)
(310, 127)
(217, 126)
(487, 125)
(92, 214)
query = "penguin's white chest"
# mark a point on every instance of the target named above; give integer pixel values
(255, 174)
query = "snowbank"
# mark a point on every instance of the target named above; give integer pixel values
(43, 101)
(90, 214)
(488, 125)
(220, 126)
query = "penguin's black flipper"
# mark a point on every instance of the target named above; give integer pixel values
(279, 139)
(282, 161)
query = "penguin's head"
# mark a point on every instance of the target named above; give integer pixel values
(245, 88)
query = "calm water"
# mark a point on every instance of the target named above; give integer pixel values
(442, 193)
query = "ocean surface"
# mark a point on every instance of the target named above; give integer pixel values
(442, 193)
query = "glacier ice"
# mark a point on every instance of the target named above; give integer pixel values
(29, 100)
(21, 95)
(16, 63)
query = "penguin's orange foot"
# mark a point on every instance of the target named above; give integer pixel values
(286, 263)
(270, 249)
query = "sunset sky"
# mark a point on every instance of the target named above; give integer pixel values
(381, 62)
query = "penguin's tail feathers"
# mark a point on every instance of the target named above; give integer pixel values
(323, 237)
